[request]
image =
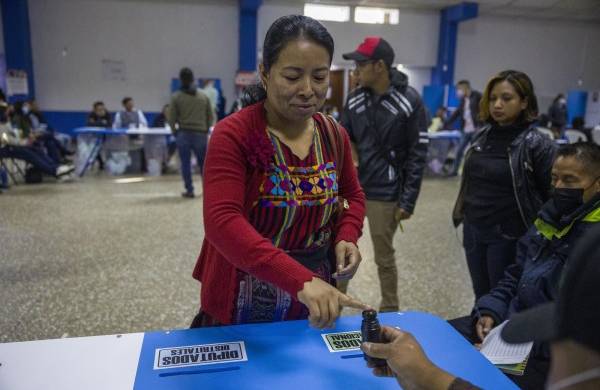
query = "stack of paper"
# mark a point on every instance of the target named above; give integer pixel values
(499, 352)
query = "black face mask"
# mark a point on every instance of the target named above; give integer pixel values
(567, 200)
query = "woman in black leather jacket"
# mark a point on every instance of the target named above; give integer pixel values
(506, 178)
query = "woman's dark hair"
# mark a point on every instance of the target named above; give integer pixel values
(281, 32)
(252, 94)
(524, 88)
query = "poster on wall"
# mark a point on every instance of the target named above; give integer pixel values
(592, 110)
(245, 78)
(113, 70)
(16, 82)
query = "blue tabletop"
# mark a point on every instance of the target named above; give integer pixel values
(291, 355)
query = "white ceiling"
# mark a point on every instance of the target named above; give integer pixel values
(581, 10)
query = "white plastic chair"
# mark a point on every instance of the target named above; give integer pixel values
(546, 131)
(575, 136)
(596, 135)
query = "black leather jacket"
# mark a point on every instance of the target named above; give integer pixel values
(390, 134)
(530, 155)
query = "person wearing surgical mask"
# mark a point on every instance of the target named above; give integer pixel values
(534, 279)
(569, 325)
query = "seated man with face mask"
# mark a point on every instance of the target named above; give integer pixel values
(542, 253)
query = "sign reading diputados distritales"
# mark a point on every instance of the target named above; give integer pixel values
(200, 355)
(343, 341)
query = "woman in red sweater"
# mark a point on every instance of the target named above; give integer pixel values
(283, 208)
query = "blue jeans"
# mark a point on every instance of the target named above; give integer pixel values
(489, 251)
(32, 156)
(188, 142)
(460, 150)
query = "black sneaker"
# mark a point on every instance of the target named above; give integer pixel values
(187, 195)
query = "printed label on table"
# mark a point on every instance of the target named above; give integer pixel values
(200, 355)
(343, 341)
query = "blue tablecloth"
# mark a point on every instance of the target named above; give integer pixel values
(290, 355)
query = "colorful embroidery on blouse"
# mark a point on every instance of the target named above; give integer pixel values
(300, 186)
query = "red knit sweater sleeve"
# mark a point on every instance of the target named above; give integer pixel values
(226, 226)
(349, 226)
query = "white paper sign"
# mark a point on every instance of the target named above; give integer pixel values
(343, 341)
(113, 70)
(16, 82)
(199, 355)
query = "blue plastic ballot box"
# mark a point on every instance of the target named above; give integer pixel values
(291, 355)
(283, 355)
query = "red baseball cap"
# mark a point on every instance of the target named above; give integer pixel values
(372, 48)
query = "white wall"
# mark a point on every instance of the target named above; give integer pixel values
(153, 38)
(550, 52)
(414, 40)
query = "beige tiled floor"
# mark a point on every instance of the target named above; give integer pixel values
(97, 257)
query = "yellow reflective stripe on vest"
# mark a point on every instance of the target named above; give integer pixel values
(594, 216)
(550, 231)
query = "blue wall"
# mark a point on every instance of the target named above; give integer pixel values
(17, 41)
(67, 121)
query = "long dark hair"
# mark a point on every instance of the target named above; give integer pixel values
(524, 88)
(281, 32)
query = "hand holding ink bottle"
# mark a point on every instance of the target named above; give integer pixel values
(371, 332)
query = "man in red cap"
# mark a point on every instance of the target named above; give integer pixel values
(386, 121)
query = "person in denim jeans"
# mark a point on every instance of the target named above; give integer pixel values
(506, 180)
(190, 116)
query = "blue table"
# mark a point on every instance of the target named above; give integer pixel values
(290, 355)
(284, 355)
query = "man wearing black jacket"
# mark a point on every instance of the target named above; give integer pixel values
(386, 121)
(468, 113)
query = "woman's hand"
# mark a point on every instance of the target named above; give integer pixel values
(347, 258)
(324, 302)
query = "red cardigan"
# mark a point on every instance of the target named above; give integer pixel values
(238, 152)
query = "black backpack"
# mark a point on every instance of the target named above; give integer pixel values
(33, 176)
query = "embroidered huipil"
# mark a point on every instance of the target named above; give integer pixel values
(261, 202)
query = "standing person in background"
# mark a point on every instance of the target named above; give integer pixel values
(468, 113)
(213, 95)
(276, 175)
(506, 180)
(190, 116)
(386, 121)
(558, 115)
(130, 116)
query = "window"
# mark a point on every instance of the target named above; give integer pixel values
(333, 13)
(376, 15)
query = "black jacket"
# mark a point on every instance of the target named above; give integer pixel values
(390, 134)
(474, 99)
(99, 121)
(558, 114)
(541, 256)
(530, 155)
